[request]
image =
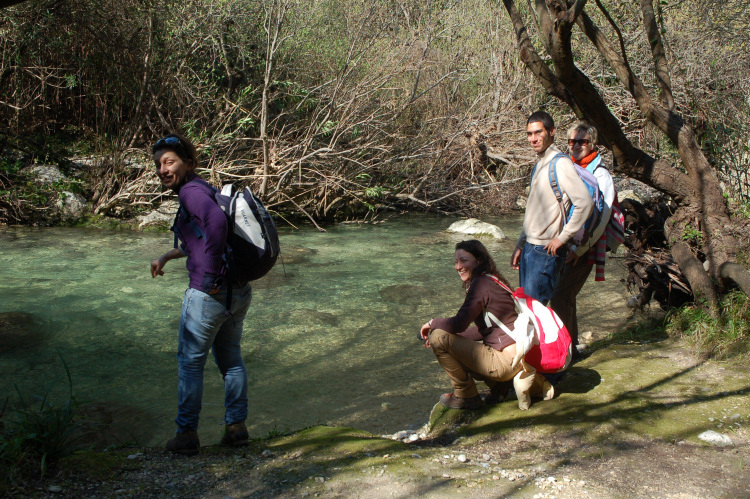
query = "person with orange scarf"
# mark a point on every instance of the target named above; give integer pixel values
(583, 151)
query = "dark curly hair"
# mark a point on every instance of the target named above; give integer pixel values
(485, 263)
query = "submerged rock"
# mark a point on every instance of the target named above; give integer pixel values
(296, 254)
(106, 423)
(313, 317)
(19, 330)
(476, 227)
(407, 294)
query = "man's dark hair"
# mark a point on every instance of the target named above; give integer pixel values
(544, 118)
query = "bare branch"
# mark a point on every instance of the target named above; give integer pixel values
(658, 53)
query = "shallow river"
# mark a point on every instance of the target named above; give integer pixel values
(331, 336)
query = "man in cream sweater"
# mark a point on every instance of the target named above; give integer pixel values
(541, 249)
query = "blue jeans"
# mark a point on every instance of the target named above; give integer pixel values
(206, 324)
(539, 272)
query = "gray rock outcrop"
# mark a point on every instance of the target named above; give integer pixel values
(164, 214)
(45, 174)
(70, 206)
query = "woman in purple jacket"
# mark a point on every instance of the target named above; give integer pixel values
(478, 351)
(206, 323)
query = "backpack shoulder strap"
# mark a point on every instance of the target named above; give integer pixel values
(552, 174)
(174, 225)
(596, 163)
(553, 182)
(199, 233)
(489, 317)
(500, 283)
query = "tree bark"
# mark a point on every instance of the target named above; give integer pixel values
(737, 274)
(8, 3)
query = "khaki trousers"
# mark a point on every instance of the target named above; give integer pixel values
(462, 358)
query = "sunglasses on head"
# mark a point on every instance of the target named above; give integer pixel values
(580, 142)
(167, 141)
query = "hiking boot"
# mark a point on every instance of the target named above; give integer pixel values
(498, 392)
(185, 443)
(452, 402)
(235, 435)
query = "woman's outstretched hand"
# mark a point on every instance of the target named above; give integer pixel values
(424, 333)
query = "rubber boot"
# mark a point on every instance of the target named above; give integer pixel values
(522, 384)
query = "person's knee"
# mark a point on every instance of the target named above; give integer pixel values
(439, 340)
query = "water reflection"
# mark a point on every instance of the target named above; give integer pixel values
(332, 341)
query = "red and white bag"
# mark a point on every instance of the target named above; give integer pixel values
(542, 340)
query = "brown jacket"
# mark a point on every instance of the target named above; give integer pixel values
(483, 294)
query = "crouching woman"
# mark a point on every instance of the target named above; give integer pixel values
(480, 351)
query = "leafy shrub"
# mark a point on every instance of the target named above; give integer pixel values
(722, 336)
(36, 436)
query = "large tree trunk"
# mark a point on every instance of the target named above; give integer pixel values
(696, 191)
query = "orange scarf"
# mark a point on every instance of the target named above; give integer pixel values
(583, 162)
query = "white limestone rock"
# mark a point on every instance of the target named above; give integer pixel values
(45, 174)
(629, 194)
(70, 206)
(476, 227)
(715, 438)
(164, 214)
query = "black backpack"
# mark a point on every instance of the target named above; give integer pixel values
(252, 239)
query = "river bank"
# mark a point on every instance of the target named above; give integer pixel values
(626, 422)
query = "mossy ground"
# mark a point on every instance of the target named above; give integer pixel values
(625, 423)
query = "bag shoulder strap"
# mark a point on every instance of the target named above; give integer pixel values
(553, 182)
(596, 163)
(500, 283)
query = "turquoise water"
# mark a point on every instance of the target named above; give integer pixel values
(331, 336)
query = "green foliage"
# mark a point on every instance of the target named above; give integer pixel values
(276, 433)
(375, 192)
(693, 236)
(327, 128)
(720, 336)
(37, 435)
(10, 166)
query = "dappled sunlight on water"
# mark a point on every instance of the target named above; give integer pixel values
(332, 341)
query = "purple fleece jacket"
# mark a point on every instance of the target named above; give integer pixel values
(205, 252)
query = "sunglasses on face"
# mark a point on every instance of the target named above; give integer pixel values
(580, 142)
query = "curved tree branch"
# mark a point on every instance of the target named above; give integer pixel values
(661, 67)
(533, 61)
